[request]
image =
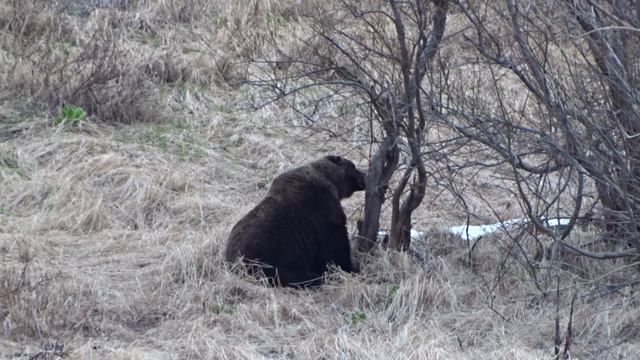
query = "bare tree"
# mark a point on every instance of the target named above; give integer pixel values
(573, 122)
(375, 53)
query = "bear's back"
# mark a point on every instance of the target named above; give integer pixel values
(291, 217)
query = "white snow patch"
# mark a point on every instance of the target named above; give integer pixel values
(473, 232)
(416, 235)
(557, 222)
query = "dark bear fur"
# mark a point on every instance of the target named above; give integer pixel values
(299, 228)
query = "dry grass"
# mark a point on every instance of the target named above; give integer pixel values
(111, 236)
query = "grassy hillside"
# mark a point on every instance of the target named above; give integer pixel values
(112, 224)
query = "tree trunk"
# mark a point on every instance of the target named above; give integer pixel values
(382, 166)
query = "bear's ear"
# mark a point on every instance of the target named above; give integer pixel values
(334, 159)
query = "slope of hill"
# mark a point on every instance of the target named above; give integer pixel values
(111, 228)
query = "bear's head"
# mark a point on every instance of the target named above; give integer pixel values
(345, 176)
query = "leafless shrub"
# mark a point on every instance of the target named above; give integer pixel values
(568, 338)
(50, 62)
(555, 96)
(38, 303)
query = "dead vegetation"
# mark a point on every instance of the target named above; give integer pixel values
(111, 231)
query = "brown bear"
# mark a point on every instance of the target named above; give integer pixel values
(299, 228)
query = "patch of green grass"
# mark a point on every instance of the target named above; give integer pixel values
(275, 21)
(221, 21)
(174, 137)
(4, 214)
(9, 165)
(190, 50)
(65, 48)
(8, 162)
(158, 138)
(189, 149)
(70, 115)
(222, 309)
(223, 108)
(357, 316)
(184, 90)
(391, 294)
(11, 122)
(147, 37)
